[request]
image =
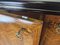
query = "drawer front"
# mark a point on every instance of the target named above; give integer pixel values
(51, 30)
(20, 33)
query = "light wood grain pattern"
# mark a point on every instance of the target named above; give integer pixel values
(8, 33)
(50, 36)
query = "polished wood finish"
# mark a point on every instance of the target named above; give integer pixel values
(51, 33)
(8, 33)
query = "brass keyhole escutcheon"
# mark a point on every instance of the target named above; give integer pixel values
(19, 34)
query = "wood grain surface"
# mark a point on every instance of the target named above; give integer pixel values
(51, 33)
(8, 33)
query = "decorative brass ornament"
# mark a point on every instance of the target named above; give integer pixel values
(58, 28)
(21, 31)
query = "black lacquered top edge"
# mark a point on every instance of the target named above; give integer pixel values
(33, 6)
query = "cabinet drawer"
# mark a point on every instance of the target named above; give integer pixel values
(19, 31)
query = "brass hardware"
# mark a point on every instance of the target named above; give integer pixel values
(58, 28)
(21, 31)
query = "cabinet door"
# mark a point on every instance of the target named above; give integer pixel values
(51, 30)
(14, 31)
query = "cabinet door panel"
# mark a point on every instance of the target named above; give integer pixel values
(51, 30)
(19, 32)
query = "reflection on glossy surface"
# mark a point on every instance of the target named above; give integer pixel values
(6, 19)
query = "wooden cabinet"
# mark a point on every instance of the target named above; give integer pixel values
(19, 32)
